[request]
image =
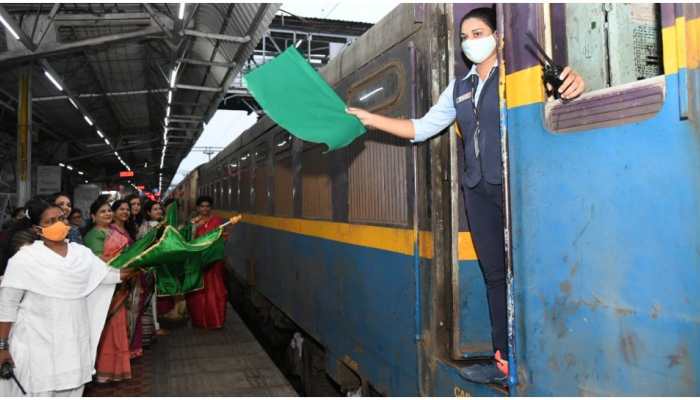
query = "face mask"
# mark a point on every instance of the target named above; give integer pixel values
(477, 50)
(55, 232)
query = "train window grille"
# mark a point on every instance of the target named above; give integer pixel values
(283, 189)
(245, 182)
(260, 186)
(315, 183)
(377, 170)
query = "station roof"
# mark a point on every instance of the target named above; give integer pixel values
(109, 81)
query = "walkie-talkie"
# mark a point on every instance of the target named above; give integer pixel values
(551, 71)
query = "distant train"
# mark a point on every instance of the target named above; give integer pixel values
(366, 250)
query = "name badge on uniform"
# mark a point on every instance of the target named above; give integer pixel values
(464, 97)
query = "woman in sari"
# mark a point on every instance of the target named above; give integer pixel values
(107, 240)
(53, 303)
(152, 216)
(207, 307)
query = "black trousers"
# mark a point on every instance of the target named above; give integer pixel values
(484, 204)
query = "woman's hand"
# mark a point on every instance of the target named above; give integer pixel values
(6, 357)
(572, 86)
(127, 273)
(366, 117)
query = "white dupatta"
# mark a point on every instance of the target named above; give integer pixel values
(80, 274)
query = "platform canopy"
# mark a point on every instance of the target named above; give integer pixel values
(118, 86)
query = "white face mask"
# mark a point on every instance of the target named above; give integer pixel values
(477, 50)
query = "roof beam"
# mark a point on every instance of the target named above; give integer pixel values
(184, 121)
(88, 95)
(53, 49)
(208, 63)
(217, 36)
(197, 88)
(23, 37)
(190, 117)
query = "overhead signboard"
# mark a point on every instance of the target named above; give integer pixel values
(126, 174)
(48, 179)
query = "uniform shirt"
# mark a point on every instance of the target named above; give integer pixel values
(443, 113)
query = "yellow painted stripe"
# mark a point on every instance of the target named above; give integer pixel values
(693, 42)
(669, 45)
(524, 87)
(682, 49)
(396, 240)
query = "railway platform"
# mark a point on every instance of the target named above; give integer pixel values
(198, 362)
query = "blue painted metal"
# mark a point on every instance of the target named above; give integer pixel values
(474, 321)
(358, 302)
(606, 252)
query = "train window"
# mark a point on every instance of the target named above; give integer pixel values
(315, 183)
(244, 181)
(232, 173)
(377, 181)
(260, 187)
(616, 48)
(282, 142)
(379, 90)
(283, 189)
(611, 44)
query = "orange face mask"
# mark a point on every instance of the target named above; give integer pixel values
(56, 231)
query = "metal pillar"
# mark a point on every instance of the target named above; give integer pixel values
(24, 137)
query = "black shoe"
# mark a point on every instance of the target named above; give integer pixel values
(484, 373)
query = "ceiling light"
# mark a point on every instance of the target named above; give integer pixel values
(61, 164)
(116, 154)
(73, 103)
(170, 96)
(181, 11)
(81, 173)
(167, 112)
(107, 142)
(173, 75)
(88, 120)
(69, 167)
(53, 80)
(86, 181)
(16, 36)
(99, 133)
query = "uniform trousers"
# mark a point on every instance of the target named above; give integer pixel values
(484, 204)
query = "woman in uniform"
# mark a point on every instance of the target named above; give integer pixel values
(473, 101)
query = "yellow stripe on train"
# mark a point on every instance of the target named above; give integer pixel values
(396, 240)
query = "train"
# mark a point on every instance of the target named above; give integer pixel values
(365, 251)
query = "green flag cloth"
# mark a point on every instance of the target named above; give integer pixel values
(131, 253)
(171, 214)
(296, 97)
(178, 263)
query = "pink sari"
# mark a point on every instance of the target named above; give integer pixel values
(113, 352)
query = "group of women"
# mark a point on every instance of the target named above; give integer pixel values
(65, 315)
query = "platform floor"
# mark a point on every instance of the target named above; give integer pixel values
(197, 362)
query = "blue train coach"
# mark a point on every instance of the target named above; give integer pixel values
(366, 254)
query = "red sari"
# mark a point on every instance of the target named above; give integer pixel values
(207, 307)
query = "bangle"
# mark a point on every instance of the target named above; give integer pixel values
(4, 344)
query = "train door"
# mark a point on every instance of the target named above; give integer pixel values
(471, 327)
(604, 195)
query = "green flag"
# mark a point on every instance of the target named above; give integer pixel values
(178, 263)
(131, 253)
(296, 97)
(171, 214)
